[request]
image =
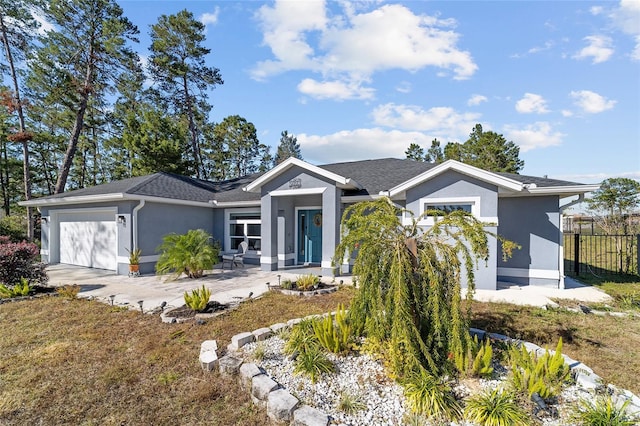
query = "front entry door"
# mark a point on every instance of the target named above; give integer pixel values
(309, 236)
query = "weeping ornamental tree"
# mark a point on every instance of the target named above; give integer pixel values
(409, 301)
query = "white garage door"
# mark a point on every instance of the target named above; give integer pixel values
(88, 239)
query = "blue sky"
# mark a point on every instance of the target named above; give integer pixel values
(364, 79)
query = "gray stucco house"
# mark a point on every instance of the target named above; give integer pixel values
(291, 214)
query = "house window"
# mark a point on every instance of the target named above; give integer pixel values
(442, 209)
(244, 227)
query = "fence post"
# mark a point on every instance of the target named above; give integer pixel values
(576, 254)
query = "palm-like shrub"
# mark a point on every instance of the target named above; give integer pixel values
(495, 408)
(544, 375)
(307, 282)
(334, 334)
(190, 253)
(604, 412)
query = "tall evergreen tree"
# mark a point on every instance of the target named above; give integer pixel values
(491, 151)
(434, 153)
(414, 152)
(79, 60)
(177, 64)
(17, 28)
(288, 147)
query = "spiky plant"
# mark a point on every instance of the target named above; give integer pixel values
(334, 334)
(190, 253)
(604, 412)
(313, 362)
(301, 338)
(307, 282)
(495, 408)
(198, 299)
(430, 396)
(410, 281)
(350, 403)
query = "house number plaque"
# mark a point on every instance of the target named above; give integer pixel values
(295, 183)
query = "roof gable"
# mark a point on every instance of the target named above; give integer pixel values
(341, 181)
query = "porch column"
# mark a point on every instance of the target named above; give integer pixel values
(269, 233)
(330, 227)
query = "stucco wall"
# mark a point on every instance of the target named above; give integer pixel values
(534, 223)
(454, 185)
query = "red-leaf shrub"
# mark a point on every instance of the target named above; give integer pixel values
(20, 260)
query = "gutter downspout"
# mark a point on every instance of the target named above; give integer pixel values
(134, 225)
(561, 260)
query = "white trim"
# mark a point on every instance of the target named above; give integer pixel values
(44, 252)
(458, 167)
(268, 260)
(475, 209)
(569, 189)
(340, 181)
(227, 221)
(326, 264)
(348, 199)
(228, 204)
(549, 274)
(301, 191)
(287, 256)
(78, 199)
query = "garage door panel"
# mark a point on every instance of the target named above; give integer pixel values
(88, 243)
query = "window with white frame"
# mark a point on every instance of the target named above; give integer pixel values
(443, 209)
(244, 226)
(448, 205)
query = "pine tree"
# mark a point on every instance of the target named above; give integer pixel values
(288, 147)
(177, 64)
(415, 152)
(80, 60)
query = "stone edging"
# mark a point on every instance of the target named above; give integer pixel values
(285, 408)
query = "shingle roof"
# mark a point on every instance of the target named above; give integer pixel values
(373, 175)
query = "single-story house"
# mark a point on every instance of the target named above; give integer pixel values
(291, 214)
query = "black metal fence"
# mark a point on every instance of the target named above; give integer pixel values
(601, 254)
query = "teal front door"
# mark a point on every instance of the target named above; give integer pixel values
(309, 236)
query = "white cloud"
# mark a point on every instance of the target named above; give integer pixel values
(476, 100)
(596, 10)
(547, 45)
(531, 103)
(354, 44)
(359, 144)
(627, 19)
(599, 48)
(210, 18)
(443, 122)
(591, 102)
(566, 113)
(338, 90)
(532, 136)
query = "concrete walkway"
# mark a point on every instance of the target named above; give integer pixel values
(229, 286)
(226, 285)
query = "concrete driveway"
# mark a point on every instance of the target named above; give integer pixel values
(226, 286)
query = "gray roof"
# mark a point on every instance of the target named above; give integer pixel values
(373, 175)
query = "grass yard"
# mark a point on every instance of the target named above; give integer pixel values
(82, 362)
(86, 363)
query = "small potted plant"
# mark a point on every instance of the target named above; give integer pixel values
(134, 260)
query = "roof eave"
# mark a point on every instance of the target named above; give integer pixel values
(82, 199)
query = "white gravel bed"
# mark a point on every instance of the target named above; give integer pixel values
(363, 377)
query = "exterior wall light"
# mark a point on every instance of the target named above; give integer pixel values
(122, 220)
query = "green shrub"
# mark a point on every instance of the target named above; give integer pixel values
(287, 284)
(313, 362)
(259, 352)
(307, 282)
(198, 298)
(190, 253)
(430, 396)
(336, 337)
(301, 338)
(14, 227)
(604, 412)
(495, 408)
(20, 289)
(544, 375)
(69, 292)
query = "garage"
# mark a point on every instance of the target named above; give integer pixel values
(88, 238)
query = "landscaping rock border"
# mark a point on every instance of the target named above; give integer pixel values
(285, 408)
